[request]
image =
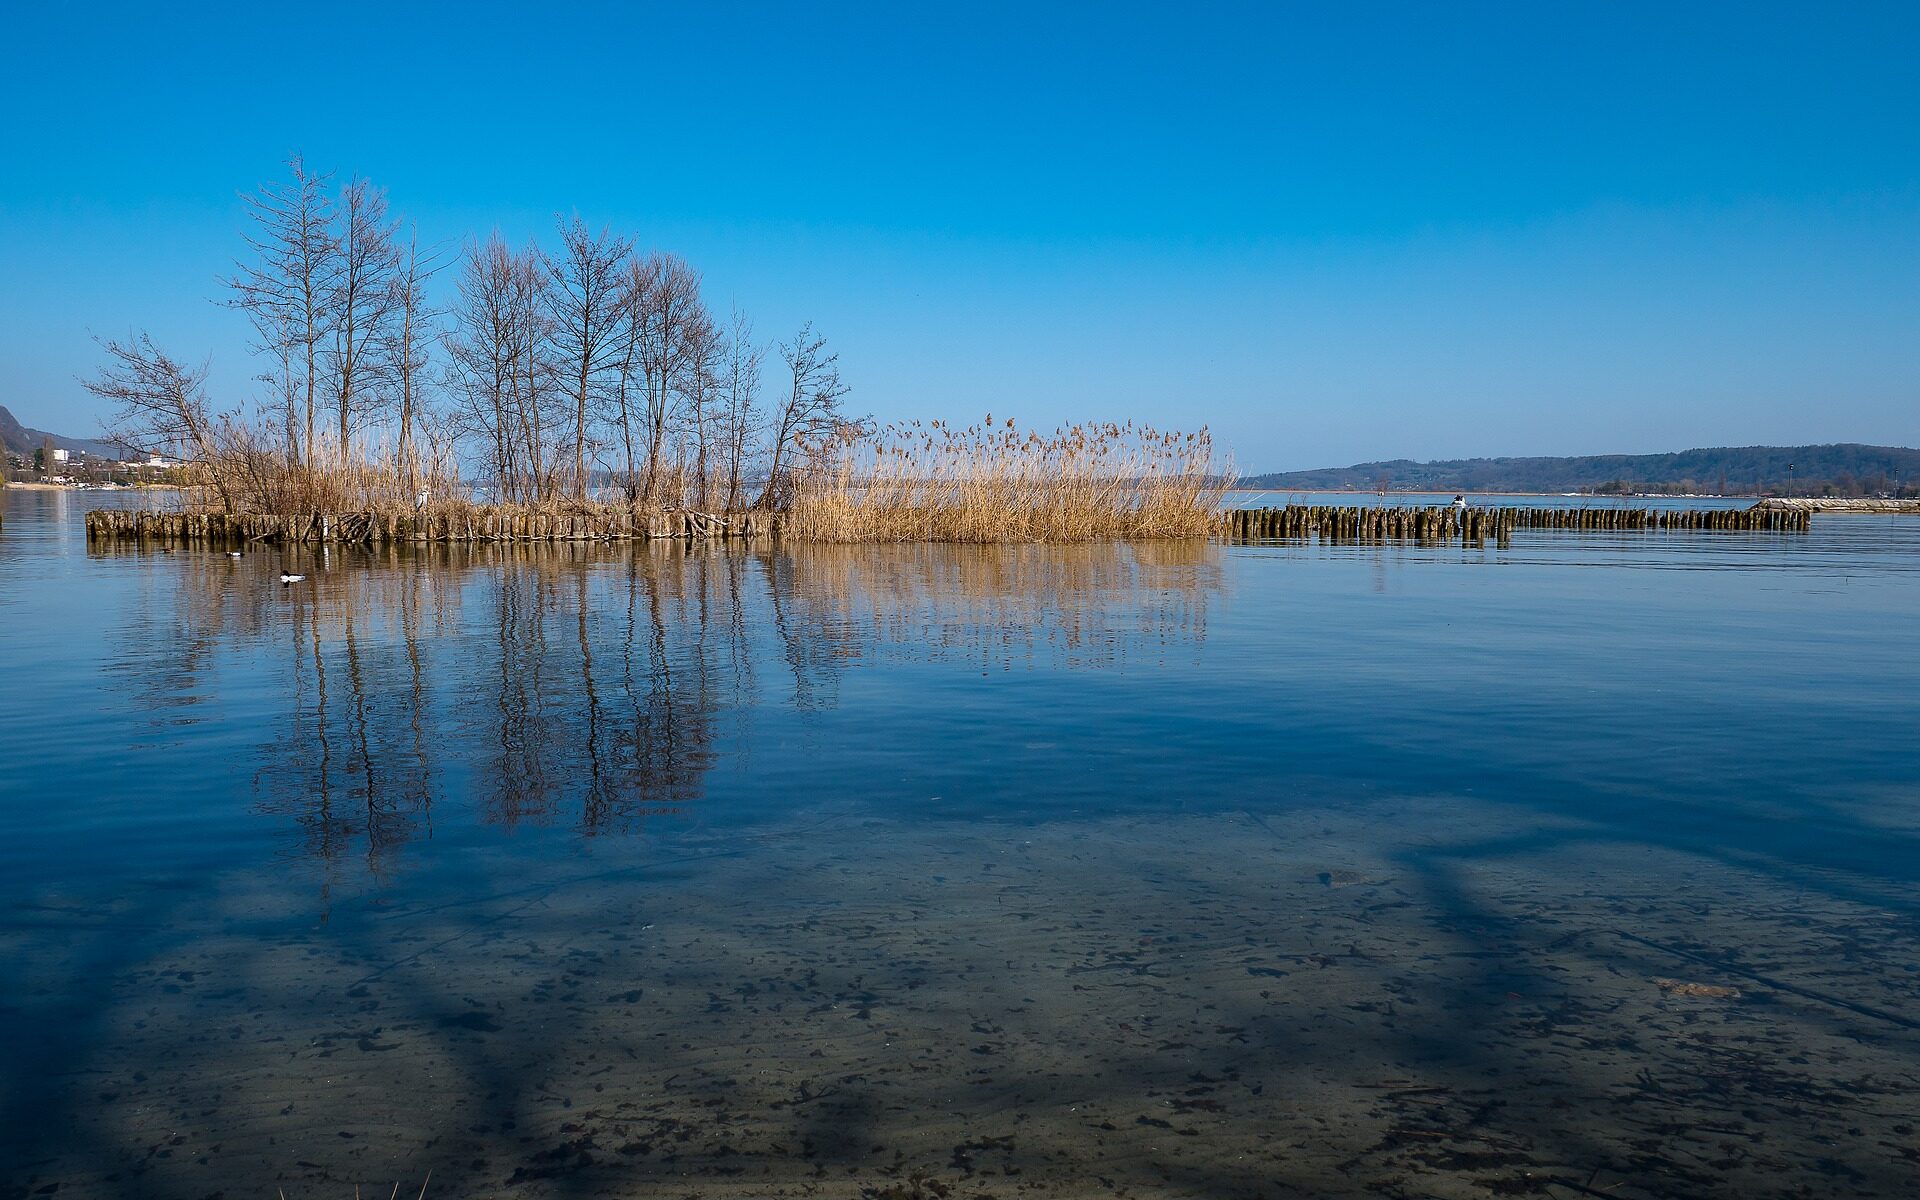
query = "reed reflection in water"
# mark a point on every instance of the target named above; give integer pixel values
(596, 687)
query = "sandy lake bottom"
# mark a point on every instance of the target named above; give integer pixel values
(1334, 1000)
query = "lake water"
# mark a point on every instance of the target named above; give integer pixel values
(1592, 862)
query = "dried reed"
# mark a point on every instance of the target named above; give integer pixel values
(994, 483)
(241, 472)
(243, 476)
(927, 482)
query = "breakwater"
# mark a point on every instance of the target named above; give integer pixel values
(500, 524)
(1354, 523)
(489, 524)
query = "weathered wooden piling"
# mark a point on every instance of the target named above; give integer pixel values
(493, 524)
(1343, 523)
(1352, 523)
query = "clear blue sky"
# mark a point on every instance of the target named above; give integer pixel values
(1335, 232)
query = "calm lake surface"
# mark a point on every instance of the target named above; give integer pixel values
(1592, 862)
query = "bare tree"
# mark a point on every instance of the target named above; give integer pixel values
(407, 351)
(285, 291)
(362, 298)
(625, 395)
(531, 365)
(739, 415)
(811, 408)
(501, 366)
(162, 404)
(480, 351)
(535, 372)
(696, 407)
(586, 298)
(664, 311)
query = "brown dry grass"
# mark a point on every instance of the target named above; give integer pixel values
(996, 483)
(934, 482)
(243, 472)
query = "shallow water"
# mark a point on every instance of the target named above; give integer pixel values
(1178, 869)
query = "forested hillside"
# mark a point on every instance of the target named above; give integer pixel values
(1844, 469)
(16, 438)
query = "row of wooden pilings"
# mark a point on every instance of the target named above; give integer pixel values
(1327, 522)
(375, 528)
(1355, 523)
(1740, 520)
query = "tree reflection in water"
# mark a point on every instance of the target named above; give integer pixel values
(595, 686)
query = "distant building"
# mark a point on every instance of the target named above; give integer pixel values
(60, 455)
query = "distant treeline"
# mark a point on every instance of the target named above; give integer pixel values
(1843, 469)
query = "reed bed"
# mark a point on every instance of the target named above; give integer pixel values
(914, 482)
(246, 483)
(240, 473)
(991, 482)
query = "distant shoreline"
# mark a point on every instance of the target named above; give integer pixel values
(1842, 469)
(68, 487)
(1819, 504)
(1468, 492)
(1840, 504)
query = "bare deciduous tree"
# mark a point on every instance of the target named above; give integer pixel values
(810, 409)
(407, 351)
(480, 351)
(501, 364)
(699, 405)
(362, 298)
(624, 398)
(536, 372)
(285, 291)
(664, 310)
(739, 415)
(536, 365)
(161, 403)
(586, 299)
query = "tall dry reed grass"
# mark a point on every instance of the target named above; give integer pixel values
(996, 483)
(241, 470)
(927, 482)
(241, 474)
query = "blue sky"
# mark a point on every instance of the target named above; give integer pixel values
(1333, 232)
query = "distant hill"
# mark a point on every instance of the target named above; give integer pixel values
(16, 438)
(1843, 469)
